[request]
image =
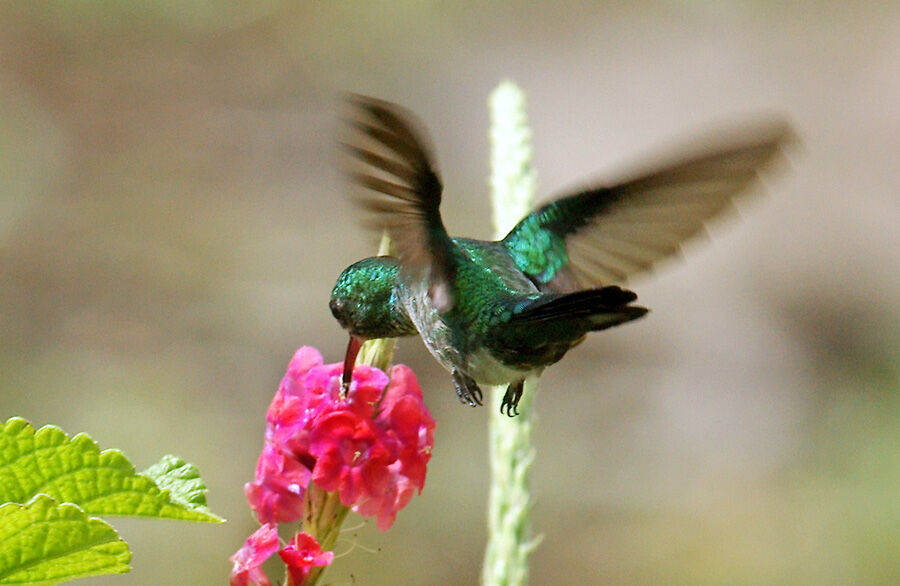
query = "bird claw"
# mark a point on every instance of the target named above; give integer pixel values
(510, 404)
(466, 389)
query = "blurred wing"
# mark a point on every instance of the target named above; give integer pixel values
(389, 159)
(605, 235)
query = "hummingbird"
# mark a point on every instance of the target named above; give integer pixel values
(497, 312)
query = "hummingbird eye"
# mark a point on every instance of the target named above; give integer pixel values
(337, 305)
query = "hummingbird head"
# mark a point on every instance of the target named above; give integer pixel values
(364, 302)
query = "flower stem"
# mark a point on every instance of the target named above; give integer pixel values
(324, 512)
(324, 516)
(513, 185)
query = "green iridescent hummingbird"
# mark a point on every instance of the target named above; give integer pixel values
(495, 312)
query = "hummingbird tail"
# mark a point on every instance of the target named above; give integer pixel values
(605, 320)
(603, 308)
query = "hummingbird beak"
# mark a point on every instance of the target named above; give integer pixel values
(349, 362)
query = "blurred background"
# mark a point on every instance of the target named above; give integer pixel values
(171, 225)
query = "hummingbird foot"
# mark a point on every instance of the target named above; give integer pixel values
(466, 389)
(510, 403)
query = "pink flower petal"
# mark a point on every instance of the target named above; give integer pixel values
(279, 488)
(303, 360)
(301, 554)
(248, 560)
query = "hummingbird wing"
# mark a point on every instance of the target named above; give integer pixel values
(606, 234)
(391, 160)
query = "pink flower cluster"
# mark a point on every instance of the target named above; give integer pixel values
(371, 446)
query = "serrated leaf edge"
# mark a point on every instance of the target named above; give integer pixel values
(43, 499)
(196, 513)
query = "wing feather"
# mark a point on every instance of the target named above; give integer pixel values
(389, 158)
(605, 235)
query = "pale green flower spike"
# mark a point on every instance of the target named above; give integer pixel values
(378, 353)
(513, 181)
(513, 185)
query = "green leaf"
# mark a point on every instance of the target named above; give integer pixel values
(182, 480)
(44, 542)
(101, 483)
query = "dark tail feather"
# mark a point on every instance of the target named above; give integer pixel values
(602, 321)
(604, 307)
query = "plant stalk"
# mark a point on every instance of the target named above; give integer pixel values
(513, 185)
